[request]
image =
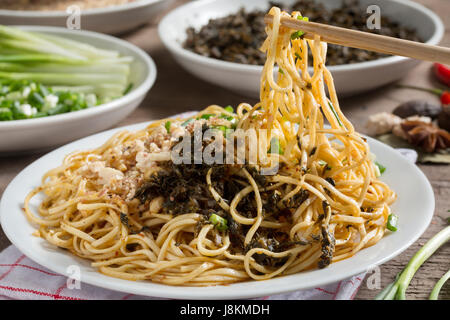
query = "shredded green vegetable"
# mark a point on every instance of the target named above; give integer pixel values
(335, 113)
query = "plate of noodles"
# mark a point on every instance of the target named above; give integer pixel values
(224, 203)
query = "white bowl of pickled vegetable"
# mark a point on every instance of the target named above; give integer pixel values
(57, 85)
(349, 79)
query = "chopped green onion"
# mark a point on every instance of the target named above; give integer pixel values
(36, 98)
(392, 222)
(60, 108)
(6, 114)
(206, 116)
(380, 167)
(280, 71)
(17, 112)
(275, 145)
(299, 33)
(219, 222)
(226, 117)
(221, 128)
(229, 109)
(167, 126)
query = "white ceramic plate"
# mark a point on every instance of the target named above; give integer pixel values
(415, 207)
(33, 134)
(113, 19)
(349, 79)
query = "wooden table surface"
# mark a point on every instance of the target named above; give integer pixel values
(176, 91)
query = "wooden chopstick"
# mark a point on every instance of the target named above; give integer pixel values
(367, 41)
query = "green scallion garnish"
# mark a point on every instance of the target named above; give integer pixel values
(229, 109)
(222, 128)
(380, 167)
(226, 117)
(392, 222)
(168, 125)
(206, 116)
(275, 145)
(397, 289)
(299, 33)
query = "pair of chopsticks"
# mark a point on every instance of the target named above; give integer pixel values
(367, 41)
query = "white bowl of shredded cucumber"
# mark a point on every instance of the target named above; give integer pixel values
(57, 85)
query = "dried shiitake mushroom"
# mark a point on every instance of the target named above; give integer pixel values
(417, 107)
(444, 118)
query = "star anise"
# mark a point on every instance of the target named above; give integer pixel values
(426, 135)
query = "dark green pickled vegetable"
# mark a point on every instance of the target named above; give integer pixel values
(237, 37)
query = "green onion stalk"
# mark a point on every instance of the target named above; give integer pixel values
(437, 288)
(397, 289)
(57, 61)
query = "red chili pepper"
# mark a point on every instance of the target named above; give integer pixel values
(442, 72)
(445, 98)
(443, 95)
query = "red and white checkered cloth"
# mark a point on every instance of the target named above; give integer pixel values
(21, 278)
